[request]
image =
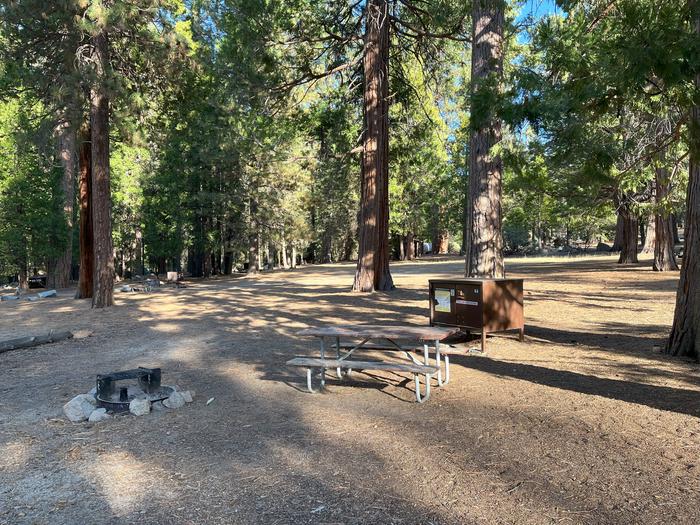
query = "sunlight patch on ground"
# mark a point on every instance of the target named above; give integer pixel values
(126, 482)
(15, 454)
(169, 328)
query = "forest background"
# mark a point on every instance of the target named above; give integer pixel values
(220, 136)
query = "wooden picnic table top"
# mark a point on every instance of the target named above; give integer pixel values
(422, 333)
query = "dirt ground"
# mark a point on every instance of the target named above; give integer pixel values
(585, 422)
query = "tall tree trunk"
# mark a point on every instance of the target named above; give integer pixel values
(630, 234)
(373, 255)
(410, 246)
(484, 245)
(326, 247)
(684, 338)
(103, 281)
(402, 247)
(60, 269)
(283, 252)
(674, 228)
(294, 255)
(253, 252)
(443, 242)
(253, 239)
(23, 278)
(619, 232)
(87, 248)
(649, 240)
(664, 257)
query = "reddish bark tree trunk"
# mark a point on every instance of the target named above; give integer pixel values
(373, 254)
(443, 242)
(410, 250)
(103, 295)
(684, 339)
(664, 258)
(85, 195)
(619, 229)
(484, 244)
(630, 234)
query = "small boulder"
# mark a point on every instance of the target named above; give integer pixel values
(187, 396)
(98, 415)
(176, 400)
(139, 406)
(79, 408)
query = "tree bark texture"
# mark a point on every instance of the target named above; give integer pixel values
(327, 246)
(373, 254)
(103, 295)
(484, 243)
(664, 257)
(650, 234)
(87, 255)
(619, 229)
(410, 249)
(283, 250)
(630, 234)
(60, 271)
(684, 340)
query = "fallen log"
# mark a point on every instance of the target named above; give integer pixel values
(34, 340)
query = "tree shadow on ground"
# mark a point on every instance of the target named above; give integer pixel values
(613, 337)
(666, 398)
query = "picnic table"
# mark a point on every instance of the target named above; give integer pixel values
(382, 338)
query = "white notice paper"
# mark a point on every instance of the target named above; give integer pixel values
(443, 300)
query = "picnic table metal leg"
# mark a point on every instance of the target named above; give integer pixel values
(309, 372)
(426, 358)
(447, 365)
(338, 371)
(425, 397)
(323, 356)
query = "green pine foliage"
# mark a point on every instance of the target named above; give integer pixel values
(31, 219)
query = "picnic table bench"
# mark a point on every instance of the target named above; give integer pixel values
(390, 335)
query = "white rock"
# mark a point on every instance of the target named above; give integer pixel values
(187, 396)
(139, 406)
(176, 400)
(79, 408)
(98, 415)
(90, 398)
